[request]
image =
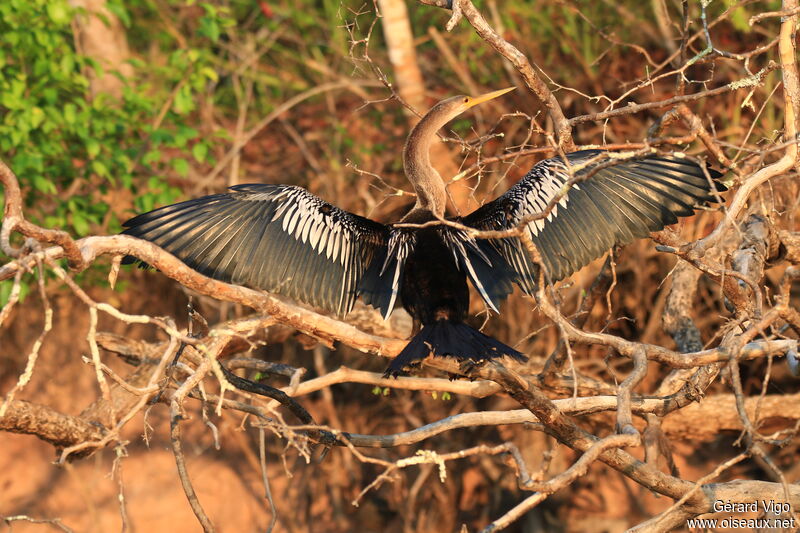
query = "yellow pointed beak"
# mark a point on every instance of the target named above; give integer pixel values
(486, 97)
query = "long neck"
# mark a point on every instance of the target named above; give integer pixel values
(426, 180)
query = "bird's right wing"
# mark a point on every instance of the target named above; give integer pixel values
(614, 206)
(279, 238)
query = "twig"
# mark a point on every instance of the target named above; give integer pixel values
(141, 402)
(33, 355)
(675, 512)
(262, 456)
(544, 489)
(117, 473)
(630, 109)
(624, 419)
(176, 416)
(246, 137)
(56, 522)
(563, 127)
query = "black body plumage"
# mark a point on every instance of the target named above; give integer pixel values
(285, 240)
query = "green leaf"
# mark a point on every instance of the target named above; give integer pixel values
(11, 101)
(740, 20)
(70, 113)
(5, 293)
(57, 136)
(162, 136)
(209, 28)
(53, 222)
(151, 157)
(181, 166)
(200, 151)
(67, 63)
(92, 148)
(43, 184)
(210, 9)
(58, 12)
(145, 203)
(183, 101)
(210, 73)
(80, 224)
(100, 168)
(183, 136)
(119, 10)
(36, 117)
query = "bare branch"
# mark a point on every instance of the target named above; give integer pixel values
(563, 127)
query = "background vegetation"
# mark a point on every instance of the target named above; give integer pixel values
(211, 94)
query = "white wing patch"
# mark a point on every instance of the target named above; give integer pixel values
(458, 241)
(400, 245)
(300, 217)
(550, 179)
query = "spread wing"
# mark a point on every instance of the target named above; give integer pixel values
(614, 206)
(279, 238)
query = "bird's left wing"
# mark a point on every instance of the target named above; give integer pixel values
(614, 206)
(279, 238)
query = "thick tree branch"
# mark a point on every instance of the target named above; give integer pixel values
(49, 425)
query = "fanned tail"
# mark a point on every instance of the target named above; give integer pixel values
(444, 338)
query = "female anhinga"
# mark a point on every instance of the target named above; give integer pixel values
(285, 240)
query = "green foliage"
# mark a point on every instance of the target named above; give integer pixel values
(6, 288)
(76, 153)
(446, 397)
(71, 150)
(87, 161)
(740, 18)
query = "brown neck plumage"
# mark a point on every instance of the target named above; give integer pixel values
(425, 179)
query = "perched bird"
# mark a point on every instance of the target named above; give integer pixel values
(285, 240)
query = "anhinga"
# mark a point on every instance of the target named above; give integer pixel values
(285, 240)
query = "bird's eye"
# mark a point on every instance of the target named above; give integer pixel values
(466, 99)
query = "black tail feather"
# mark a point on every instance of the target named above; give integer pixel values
(450, 339)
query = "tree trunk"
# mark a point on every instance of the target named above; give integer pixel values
(100, 35)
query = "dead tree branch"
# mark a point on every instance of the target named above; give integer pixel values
(465, 8)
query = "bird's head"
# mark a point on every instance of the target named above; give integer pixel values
(450, 108)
